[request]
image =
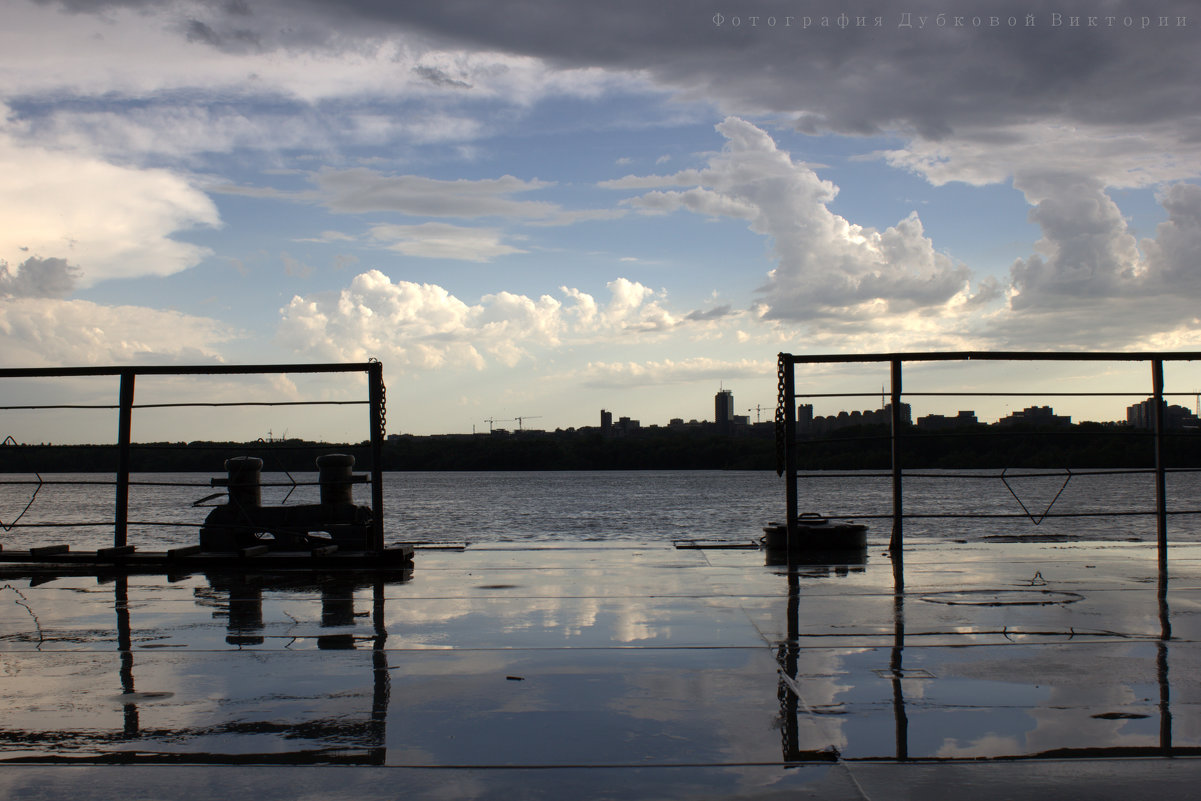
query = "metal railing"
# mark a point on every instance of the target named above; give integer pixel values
(788, 446)
(125, 407)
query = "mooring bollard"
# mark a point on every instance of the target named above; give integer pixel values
(334, 476)
(245, 488)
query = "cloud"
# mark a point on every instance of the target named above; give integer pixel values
(186, 129)
(716, 313)
(424, 327)
(911, 71)
(51, 332)
(39, 278)
(1171, 258)
(443, 241)
(669, 371)
(363, 190)
(825, 265)
(1086, 251)
(109, 220)
(309, 52)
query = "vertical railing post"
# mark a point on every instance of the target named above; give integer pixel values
(1161, 494)
(896, 544)
(124, 438)
(790, 454)
(375, 391)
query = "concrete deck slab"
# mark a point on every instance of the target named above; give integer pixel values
(602, 671)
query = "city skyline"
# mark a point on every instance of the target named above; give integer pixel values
(534, 211)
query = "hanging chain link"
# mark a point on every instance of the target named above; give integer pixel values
(383, 401)
(781, 433)
(383, 410)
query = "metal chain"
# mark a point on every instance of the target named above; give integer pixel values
(383, 410)
(781, 434)
(383, 402)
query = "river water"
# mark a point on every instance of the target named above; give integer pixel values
(643, 506)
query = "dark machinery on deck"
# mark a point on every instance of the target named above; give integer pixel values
(244, 522)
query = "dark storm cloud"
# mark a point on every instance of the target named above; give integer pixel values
(852, 79)
(922, 77)
(39, 278)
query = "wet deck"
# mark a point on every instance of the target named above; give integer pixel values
(614, 672)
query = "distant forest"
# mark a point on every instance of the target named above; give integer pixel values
(1087, 445)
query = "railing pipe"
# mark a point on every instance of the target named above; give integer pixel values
(124, 458)
(896, 542)
(375, 391)
(1161, 495)
(790, 453)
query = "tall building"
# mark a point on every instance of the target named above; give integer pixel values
(1142, 415)
(723, 410)
(606, 421)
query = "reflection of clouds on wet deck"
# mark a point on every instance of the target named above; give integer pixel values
(610, 654)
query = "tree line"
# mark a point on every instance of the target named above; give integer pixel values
(1086, 445)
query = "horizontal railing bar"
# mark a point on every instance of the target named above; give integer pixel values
(242, 447)
(185, 405)
(208, 369)
(1091, 356)
(1074, 474)
(106, 524)
(1005, 516)
(59, 406)
(250, 403)
(1031, 393)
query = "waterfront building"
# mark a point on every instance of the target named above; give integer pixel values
(1036, 416)
(809, 424)
(723, 410)
(1142, 415)
(940, 422)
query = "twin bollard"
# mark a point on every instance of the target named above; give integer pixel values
(243, 521)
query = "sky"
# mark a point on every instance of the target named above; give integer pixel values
(543, 209)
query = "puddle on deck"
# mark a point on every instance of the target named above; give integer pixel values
(612, 656)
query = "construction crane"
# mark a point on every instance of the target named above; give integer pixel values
(525, 417)
(757, 408)
(491, 420)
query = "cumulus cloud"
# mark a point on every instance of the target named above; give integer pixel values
(51, 332)
(423, 326)
(826, 265)
(1085, 253)
(39, 278)
(110, 220)
(1172, 256)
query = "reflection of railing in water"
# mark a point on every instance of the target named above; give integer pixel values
(125, 445)
(793, 706)
(335, 739)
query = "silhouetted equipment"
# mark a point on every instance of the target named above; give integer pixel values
(816, 538)
(243, 522)
(492, 420)
(525, 417)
